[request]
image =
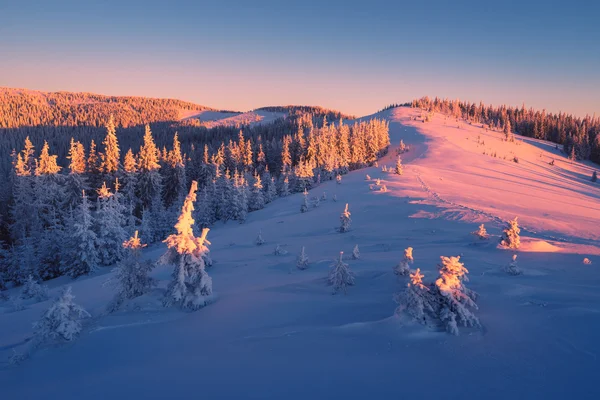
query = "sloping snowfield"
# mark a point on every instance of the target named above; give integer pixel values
(212, 119)
(275, 332)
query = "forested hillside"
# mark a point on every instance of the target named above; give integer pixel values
(580, 136)
(22, 107)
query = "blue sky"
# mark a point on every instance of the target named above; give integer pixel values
(350, 55)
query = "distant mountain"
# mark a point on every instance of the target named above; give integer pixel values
(23, 107)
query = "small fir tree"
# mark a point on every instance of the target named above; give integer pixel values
(417, 300)
(340, 276)
(33, 290)
(62, 321)
(302, 260)
(132, 274)
(403, 268)
(399, 168)
(456, 300)
(510, 236)
(345, 220)
(304, 206)
(481, 233)
(512, 268)
(259, 239)
(356, 253)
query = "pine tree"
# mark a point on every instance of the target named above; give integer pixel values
(594, 176)
(345, 220)
(338, 179)
(356, 253)
(340, 276)
(302, 260)
(403, 268)
(454, 298)
(111, 156)
(46, 165)
(62, 321)
(512, 268)
(259, 239)
(77, 157)
(271, 193)
(257, 198)
(481, 233)
(82, 255)
(304, 206)
(149, 180)
(175, 175)
(510, 236)
(191, 287)
(33, 290)
(417, 300)
(285, 187)
(279, 251)
(132, 274)
(399, 169)
(110, 217)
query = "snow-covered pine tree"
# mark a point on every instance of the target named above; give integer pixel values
(316, 202)
(399, 169)
(334, 198)
(279, 251)
(259, 239)
(271, 193)
(82, 254)
(481, 233)
(510, 235)
(111, 158)
(257, 197)
(285, 187)
(304, 206)
(132, 274)
(403, 268)
(33, 290)
(338, 179)
(345, 220)
(417, 300)
(340, 276)
(62, 321)
(110, 222)
(356, 253)
(456, 300)
(191, 287)
(302, 260)
(324, 196)
(512, 268)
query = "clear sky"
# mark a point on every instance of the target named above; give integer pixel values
(355, 56)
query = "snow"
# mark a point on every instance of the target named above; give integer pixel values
(212, 119)
(272, 334)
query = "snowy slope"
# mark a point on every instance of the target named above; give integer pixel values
(212, 119)
(272, 334)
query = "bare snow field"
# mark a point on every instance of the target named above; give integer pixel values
(276, 332)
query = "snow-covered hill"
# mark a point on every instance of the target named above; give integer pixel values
(275, 332)
(212, 119)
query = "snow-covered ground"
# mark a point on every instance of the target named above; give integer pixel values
(275, 332)
(212, 119)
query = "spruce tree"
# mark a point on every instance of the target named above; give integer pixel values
(110, 222)
(62, 321)
(82, 253)
(111, 157)
(302, 260)
(340, 276)
(191, 286)
(510, 235)
(345, 220)
(132, 274)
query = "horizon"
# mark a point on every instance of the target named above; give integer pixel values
(238, 56)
